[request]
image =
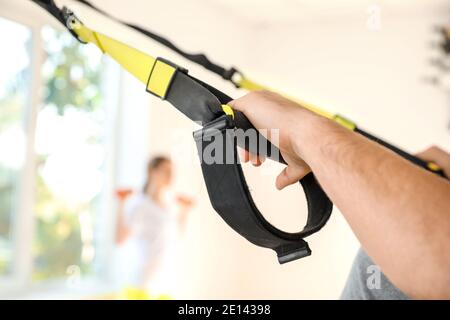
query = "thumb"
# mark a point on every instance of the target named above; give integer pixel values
(290, 175)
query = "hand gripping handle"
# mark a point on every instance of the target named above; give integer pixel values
(230, 196)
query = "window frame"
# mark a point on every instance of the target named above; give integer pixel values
(19, 281)
(22, 241)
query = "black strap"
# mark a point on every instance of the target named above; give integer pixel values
(227, 188)
(225, 181)
(227, 74)
(56, 12)
(52, 8)
(231, 198)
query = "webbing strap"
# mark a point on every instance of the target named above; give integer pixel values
(248, 84)
(245, 83)
(225, 182)
(239, 211)
(198, 58)
(137, 63)
(231, 74)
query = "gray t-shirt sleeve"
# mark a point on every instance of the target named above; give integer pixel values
(367, 282)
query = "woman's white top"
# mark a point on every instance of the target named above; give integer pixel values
(151, 227)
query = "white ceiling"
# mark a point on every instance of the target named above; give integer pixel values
(197, 15)
(292, 10)
(273, 11)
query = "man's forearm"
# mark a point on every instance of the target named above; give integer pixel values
(399, 212)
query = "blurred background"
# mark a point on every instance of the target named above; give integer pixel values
(74, 128)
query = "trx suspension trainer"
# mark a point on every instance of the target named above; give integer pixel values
(224, 178)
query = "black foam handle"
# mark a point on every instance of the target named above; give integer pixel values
(231, 197)
(266, 148)
(263, 147)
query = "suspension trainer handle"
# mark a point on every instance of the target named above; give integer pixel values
(225, 177)
(238, 210)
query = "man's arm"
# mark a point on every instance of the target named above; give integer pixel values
(399, 212)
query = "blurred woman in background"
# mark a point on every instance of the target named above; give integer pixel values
(146, 224)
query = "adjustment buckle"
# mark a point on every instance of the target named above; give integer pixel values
(162, 76)
(290, 252)
(214, 127)
(234, 76)
(71, 22)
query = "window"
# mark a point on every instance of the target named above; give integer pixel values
(71, 150)
(15, 67)
(57, 156)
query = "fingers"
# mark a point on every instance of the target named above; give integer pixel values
(240, 103)
(256, 160)
(438, 156)
(235, 105)
(246, 156)
(251, 99)
(290, 175)
(267, 110)
(433, 154)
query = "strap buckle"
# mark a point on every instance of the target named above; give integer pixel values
(161, 77)
(291, 252)
(71, 21)
(234, 76)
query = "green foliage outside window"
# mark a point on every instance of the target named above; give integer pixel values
(72, 74)
(14, 92)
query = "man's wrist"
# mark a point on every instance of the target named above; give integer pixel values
(313, 134)
(304, 133)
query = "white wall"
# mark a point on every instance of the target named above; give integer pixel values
(334, 60)
(325, 56)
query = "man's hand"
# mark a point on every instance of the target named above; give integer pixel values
(398, 211)
(438, 156)
(267, 110)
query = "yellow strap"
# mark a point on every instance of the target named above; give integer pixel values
(228, 110)
(250, 85)
(433, 166)
(160, 78)
(157, 75)
(139, 64)
(344, 122)
(253, 86)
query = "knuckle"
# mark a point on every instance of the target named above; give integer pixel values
(265, 93)
(434, 148)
